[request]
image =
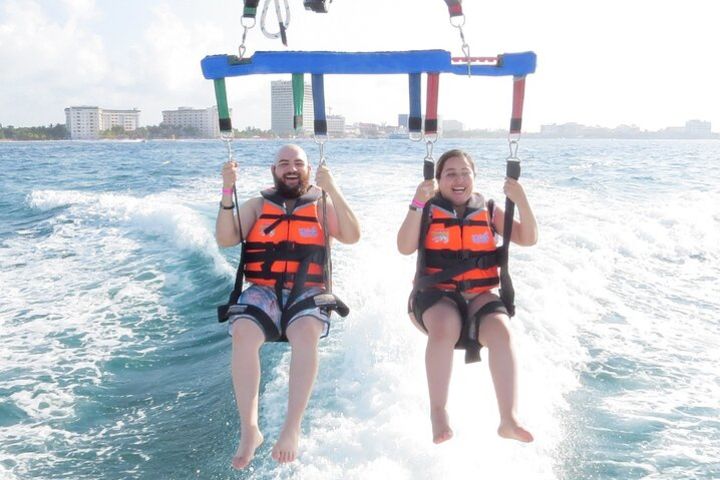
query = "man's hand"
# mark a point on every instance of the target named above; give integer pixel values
(324, 179)
(229, 173)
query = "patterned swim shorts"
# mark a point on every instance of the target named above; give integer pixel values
(264, 298)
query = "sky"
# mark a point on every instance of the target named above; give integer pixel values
(646, 63)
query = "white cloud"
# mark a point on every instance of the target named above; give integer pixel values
(45, 58)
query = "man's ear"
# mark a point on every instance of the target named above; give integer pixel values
(272, 169)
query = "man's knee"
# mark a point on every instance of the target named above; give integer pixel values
(246, 333)
(304, 331)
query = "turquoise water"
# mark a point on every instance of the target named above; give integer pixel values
(112, 364)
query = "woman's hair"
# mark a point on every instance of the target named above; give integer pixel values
(449, 154)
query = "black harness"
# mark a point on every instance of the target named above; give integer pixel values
(268, 253)
(424, 294)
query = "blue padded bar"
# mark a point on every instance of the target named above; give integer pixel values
(415, 61)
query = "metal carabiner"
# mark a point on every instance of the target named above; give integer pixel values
(283, 25)
(321, 143)
(465, 46)
(429, 144)
(513, 144)
(227, 139)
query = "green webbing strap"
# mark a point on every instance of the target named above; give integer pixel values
(222, 104)
(298, 86)
(250, 9)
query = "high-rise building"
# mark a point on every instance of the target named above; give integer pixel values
(283, 109)
(86, 123)
(698, 127)
(205, 120)
(336, 125)
(83, 123)
(129, 120)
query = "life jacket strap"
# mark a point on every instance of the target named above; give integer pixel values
(446, 275)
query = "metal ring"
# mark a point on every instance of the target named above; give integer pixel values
(459, 25)
(430, 139)
(415, 136)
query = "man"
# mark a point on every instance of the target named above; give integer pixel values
(276, 226)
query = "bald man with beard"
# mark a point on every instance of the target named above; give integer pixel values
(291, 175)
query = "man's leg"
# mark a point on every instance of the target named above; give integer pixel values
(247, 338)
(303, 335)
(443, 324)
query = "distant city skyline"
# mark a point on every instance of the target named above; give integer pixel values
(133, 55)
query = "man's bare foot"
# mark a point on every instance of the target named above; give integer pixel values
(510, 429)
(440, 426)
(286, 448)
(250, 440)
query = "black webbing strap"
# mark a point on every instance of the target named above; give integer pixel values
(486, 261)
(507, 292)
(272, 334)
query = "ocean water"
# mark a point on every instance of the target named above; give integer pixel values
(112, 364)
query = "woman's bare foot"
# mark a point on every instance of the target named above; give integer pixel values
(250, 440)
(286, 448)
(440, 426)
(510, 429)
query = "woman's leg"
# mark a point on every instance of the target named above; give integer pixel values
(493, 333)
(443, 325)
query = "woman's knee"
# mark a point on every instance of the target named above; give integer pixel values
(494, 330)
(443, 328)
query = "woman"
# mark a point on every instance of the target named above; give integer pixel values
(460, 224)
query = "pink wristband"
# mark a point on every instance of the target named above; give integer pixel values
(417, 204)
(227, 191)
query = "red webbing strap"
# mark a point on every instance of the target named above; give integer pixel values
(454, 7)
(517, 109)
(431, 105)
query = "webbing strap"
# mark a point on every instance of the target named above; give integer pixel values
(222, 105)
(415, 117)
(517, 109)
(431, 105)
(454, 7)
(298, 87)
(507, 292)
(318, 91)
(250, 9)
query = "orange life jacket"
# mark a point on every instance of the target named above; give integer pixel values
(465, 244)
(283, 246)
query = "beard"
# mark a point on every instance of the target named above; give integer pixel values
(296, 191)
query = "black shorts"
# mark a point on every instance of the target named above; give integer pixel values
(419, 302)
